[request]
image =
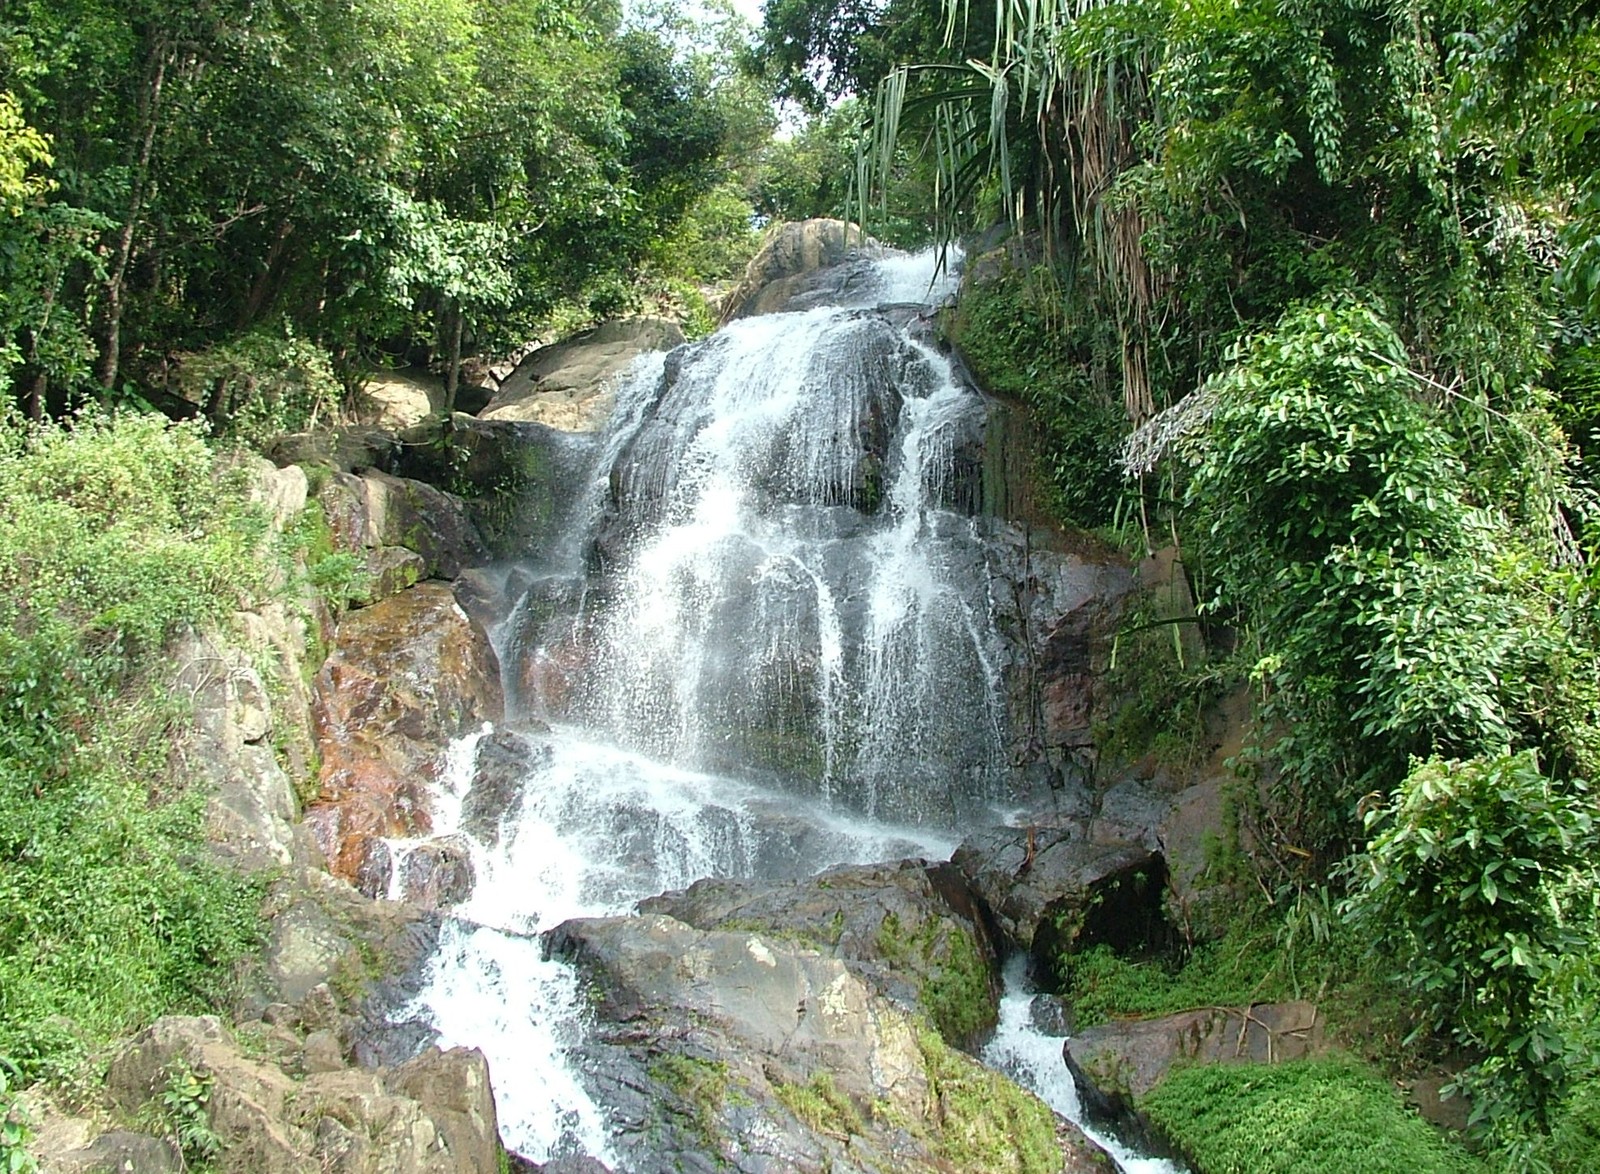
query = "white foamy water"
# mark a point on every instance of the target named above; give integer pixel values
(792, 580)
(1034, 1060)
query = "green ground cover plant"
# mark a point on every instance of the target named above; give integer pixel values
(117, 530)
(1308, 1117)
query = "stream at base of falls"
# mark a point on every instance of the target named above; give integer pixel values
(766, 646)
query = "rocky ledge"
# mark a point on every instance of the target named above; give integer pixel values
(739, 1050)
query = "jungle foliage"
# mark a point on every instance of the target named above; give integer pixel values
(1335, 264)
(382, 180)
(115, 533)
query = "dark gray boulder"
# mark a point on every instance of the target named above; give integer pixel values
(1051, 891)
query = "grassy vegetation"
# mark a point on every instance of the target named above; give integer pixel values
(987, 1124)
(116, 532)
(956, 993)
(822, 1106)
(1103, 986)
(1574, 1143)
(1156, 699)
(703, 1087)
(1313, 1117)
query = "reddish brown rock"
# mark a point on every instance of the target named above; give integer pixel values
(407, 676)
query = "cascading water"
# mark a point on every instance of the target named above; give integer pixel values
(786, 594)
(766, 648)
(1032, 1057)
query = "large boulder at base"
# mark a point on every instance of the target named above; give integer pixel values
(797, 264)
(1051, 891)
(1115, 1063)
(432, 1113)
(910, 930)
(572, 384)
(743, 1052)
(406, 676)
(323, 936)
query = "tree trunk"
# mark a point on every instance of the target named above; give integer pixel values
(452, 373)
(261, 288)
(33, 403)
(116, 277)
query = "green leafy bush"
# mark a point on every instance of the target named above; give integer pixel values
(14, 1131)
(1399, 621)
(1480, 879)
(183, 1113)
(260, 385)
(117, 530)
(1312, 1117)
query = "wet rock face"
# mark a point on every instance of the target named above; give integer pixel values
(501, 766)
(741, 1051)
(436, 874)
(518, 481)
(911, 931)
(1057, 609)
(434, 1112)
(406, 677)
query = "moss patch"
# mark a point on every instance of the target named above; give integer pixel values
(986, 1124)
(1023, 341)
(1302, 1118)
(955, 985)
(702, 1086)
(822, 1106)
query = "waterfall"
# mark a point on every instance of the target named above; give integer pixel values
(785, 588)
(765, 648)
